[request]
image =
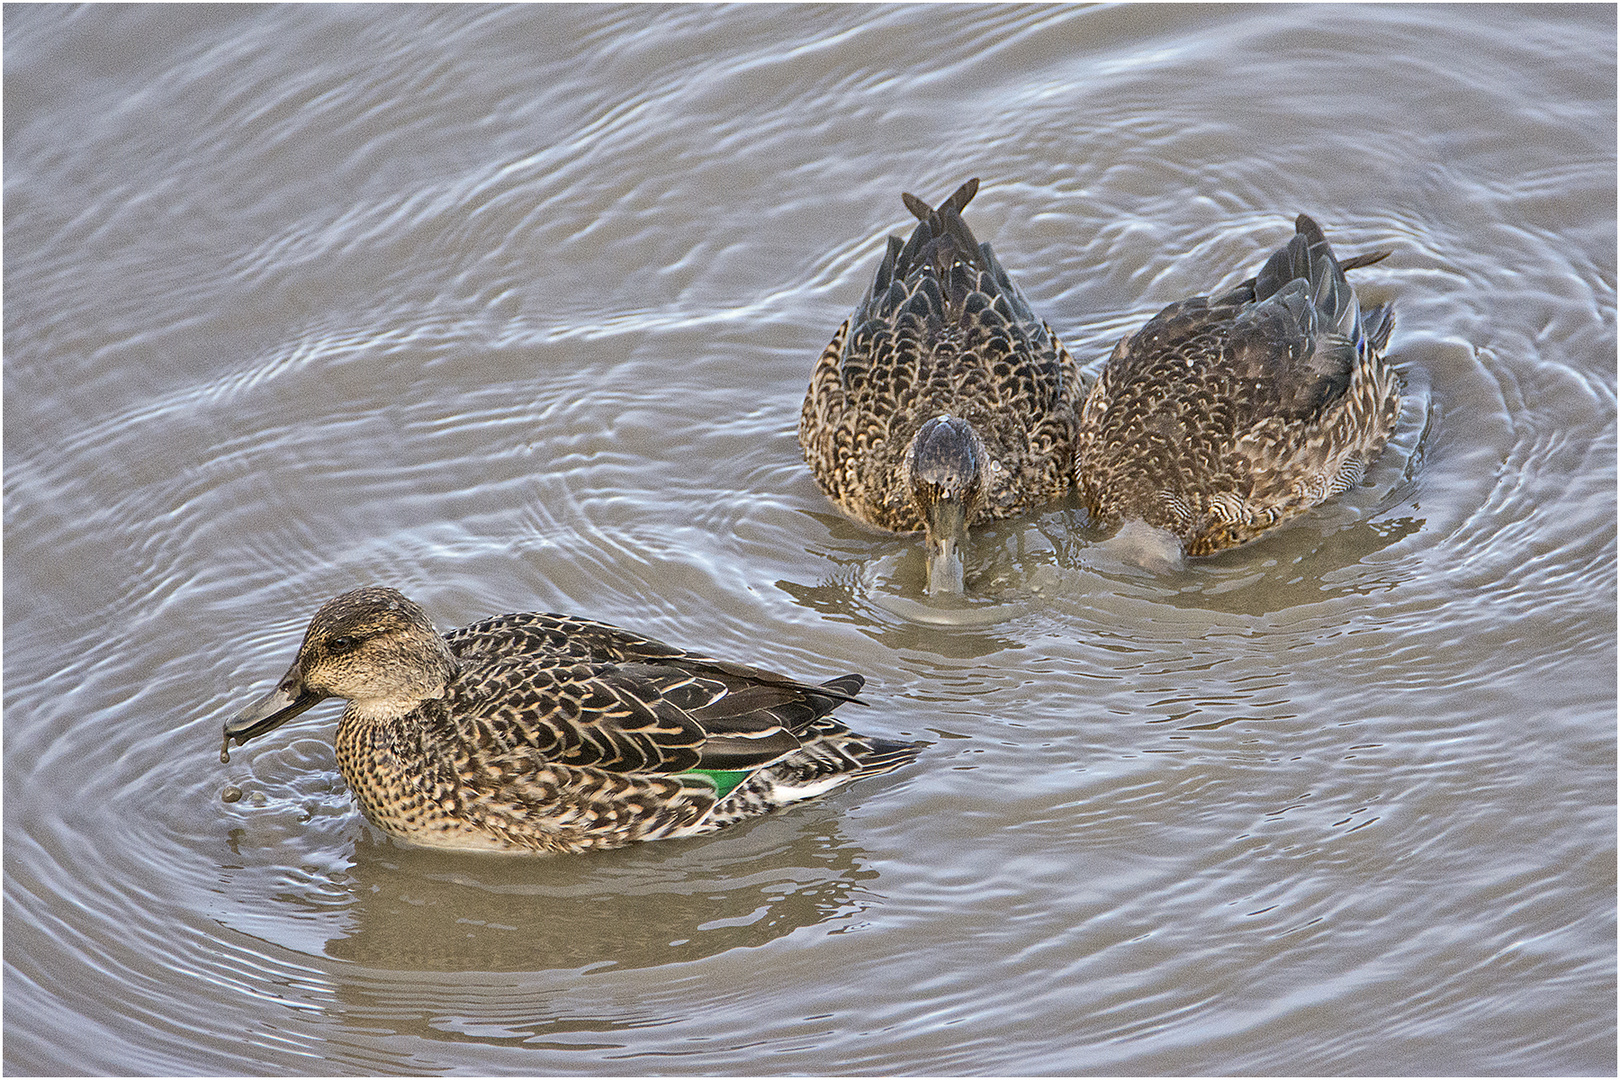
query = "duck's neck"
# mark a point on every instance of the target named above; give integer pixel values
(385, 710)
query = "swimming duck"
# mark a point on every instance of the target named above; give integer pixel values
(547, 733)
(1226, 416)
(942, 402)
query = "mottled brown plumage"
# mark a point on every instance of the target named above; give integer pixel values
(1225, 416)
(942, 332)
(547, 733)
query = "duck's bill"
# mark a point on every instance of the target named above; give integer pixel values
(275, 709)
(946, 540)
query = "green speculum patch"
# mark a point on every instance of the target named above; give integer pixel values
(724, 780)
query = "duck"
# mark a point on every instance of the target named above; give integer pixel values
(942, 402)
(546, 734)
(1225, 416)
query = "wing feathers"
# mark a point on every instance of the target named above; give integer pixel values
(627, 703)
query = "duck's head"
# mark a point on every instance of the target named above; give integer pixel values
(948, 471)
(372, 646)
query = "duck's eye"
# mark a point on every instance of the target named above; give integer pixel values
(343, 644)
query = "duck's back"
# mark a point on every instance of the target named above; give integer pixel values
(943, 330)
(1224, 416)
(589, 693)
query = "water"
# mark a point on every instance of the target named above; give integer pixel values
(513, 308)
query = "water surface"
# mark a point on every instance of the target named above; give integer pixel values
(514, 308)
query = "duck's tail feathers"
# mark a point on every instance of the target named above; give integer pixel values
(845, 687)
(1308, 258)
(941, 236)
(885, 755)
(940, 267)
(829, 756)
(955, 204)
(1306, 264)
(1376, 324)
(1366, 258)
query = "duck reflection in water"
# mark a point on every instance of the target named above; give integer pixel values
(635, 908)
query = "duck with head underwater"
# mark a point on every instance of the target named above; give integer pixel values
(942, 402)
(547, 733)
(1227, 415)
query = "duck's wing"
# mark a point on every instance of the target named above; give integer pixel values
(1305, 332)
(597, 695)
(545, 634)
(1281, 345)
(553, 638)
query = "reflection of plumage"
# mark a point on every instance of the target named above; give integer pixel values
(1226, 416)
(942, 390)
(548, 733)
